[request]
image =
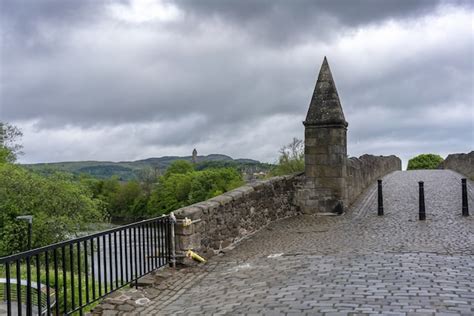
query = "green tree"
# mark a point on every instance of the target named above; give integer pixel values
(10, 147)
(147, 178)
(291, 159)
(425, 161)
(61, 207)
(179, 167)
(122, 200)
(181, 186)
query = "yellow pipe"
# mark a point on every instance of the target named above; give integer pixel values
(187, 222)
(191, 254)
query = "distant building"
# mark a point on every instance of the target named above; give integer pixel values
(195, 155)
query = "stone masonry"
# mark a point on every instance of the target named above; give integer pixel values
(325, 188)
(462, 163)
(355, 264)
(226, 219)
(365, 170)
(332, 181)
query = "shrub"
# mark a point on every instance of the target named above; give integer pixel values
(184, 186)
(291, 159)
(425, 161)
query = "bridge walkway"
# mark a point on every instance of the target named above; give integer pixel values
(355, 263)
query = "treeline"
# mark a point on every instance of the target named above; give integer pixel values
(154, 195)
(63, 205)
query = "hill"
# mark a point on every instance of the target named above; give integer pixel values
(129, 170)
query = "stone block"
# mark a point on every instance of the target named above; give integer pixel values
(235, 194)
(246, 190)
(206, 206)
(189, 242)
(222, 199)
(330, 171)
(184, 230)
(191, 212)
(325, 171)
(257, 185)
(318, 149)
(338, 149)
(313, 159)
(332, 182)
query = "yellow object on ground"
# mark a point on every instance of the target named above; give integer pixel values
(191, 254)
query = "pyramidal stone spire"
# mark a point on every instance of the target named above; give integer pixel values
(325, 107)
(325, 150)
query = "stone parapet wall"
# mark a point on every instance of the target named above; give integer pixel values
(462, 163)
(224, 220)
(363, 171)
(227, 218)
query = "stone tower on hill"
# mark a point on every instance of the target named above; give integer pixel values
(195, 154)
(325, 189)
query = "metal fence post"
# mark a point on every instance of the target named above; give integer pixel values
(422, 213)
(173, 245)
(380, 198)
(465, 207)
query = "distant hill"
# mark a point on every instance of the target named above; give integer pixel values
(129, 170)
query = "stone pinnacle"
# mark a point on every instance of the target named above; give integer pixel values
(325, 107)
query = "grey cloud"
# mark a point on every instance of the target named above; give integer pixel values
(226, 69)
(24, 16)
(284, 22)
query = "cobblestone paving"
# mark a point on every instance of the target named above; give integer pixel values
(355, 264)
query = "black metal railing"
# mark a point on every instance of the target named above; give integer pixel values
(68, 277)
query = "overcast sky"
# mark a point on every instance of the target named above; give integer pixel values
(126, 80)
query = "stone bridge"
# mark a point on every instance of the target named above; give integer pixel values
(312, 243)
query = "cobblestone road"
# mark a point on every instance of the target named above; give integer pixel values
(357, 264)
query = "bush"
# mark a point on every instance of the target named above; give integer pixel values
(186, 186)
(60, 206)
(291, 159)
(425, 161)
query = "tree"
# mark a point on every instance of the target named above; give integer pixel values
(122, 200)
(425, 161)
(291, 158)
(10, 149)
(61, 207)
(175, 190)
(148, 177)
(179, 166)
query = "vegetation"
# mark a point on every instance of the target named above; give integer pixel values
(425, 161)
(10, 148)
(61, 207)
(52, 284)
(240, 165)
(181, 185)
(64, 205)
(156, 194)
(291, 159)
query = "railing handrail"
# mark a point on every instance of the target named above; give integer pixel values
(81, 271)
(32, 252)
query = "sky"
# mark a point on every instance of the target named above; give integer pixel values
(133, 79)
